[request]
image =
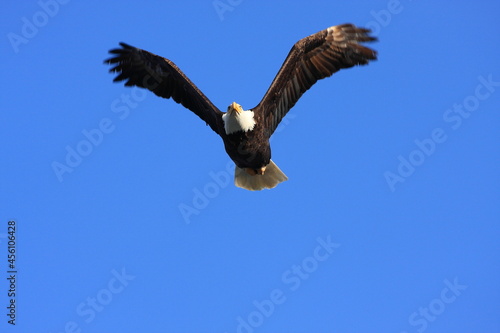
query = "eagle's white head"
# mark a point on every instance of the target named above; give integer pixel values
(236, 119)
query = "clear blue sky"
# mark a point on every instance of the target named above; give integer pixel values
(389, 221)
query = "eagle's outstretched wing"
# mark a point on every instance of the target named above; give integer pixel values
(311, 59)
(161, 76)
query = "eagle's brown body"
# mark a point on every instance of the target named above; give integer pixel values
(247, 142)
(249, 149)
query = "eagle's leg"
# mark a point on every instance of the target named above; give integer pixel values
(253, 172)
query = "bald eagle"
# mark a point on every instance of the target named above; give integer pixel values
(246, 133)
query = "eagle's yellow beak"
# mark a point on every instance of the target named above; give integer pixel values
(236, 107)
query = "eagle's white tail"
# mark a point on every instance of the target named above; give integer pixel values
(271, 177)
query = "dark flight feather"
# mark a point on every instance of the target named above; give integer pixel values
(311, 59)
(161, 76)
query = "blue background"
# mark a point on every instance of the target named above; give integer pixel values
(145, 232)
